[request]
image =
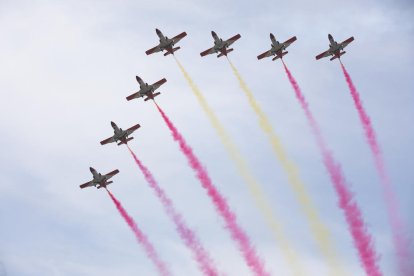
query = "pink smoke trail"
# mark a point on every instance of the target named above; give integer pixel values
(362, 239)
(189, 237)
(239, 236)
(142, 238)
(401, 241)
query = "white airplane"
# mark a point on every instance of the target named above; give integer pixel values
(99, 180)
(120, 135)
(146, 90)
(166, 43)
(220, 45)
(335, 48)
(277, 48)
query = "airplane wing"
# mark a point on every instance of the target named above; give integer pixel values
(289, 41)
(133, 96)
(324, 54)
(87, 184)
(132, 129)
(207, 52)
(231, 40)
(109, 140)
(179, 37)
(110, 174)
(265, 54)
(347, 41)
(153, 50)
(159, 83)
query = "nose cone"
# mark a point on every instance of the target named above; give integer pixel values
(329, 36)
(158, 31)
(272, 36)
(113, 124)
(138, 78)
(91, 169)
(213, 33)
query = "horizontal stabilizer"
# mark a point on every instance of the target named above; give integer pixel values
(106, 184)
(338, 56)
(172, 52)
(225, 54)
(280, 56)
(127, 140)
(152, 96)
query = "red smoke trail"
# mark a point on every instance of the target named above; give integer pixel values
(401, 241)
(362, 239)
(142, 239)
(189, 237)
(238, 235)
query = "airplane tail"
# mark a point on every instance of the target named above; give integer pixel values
(227, 51)
(338, 56)
(106, 184)
(172, 51)
(127, 140)
(280, 56)
(153, 96)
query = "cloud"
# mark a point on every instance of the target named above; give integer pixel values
(67, 68)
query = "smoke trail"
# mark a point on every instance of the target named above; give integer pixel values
(255, 189)
(142, 238)
(401, 241)
(362, 239)
(319, 230)
(237, 233)
(188, 236)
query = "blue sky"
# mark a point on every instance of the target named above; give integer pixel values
(66, 69)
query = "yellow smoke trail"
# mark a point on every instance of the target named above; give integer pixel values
(319, 230)
(254, 187)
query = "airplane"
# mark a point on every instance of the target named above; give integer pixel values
(335, 48)
(277, 48)
(120, 135)
(166, 43)
(146, 89)
(220, 45)
(99, 180)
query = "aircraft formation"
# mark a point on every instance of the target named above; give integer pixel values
(355, 223)
(220, 46)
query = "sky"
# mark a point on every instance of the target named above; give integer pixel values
(67, 66)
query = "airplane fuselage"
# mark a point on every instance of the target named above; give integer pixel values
(165, 42)
(98, 179)
(277, 47)
(119, 134)
(146, 89)
(220, 45)
(335, 48)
